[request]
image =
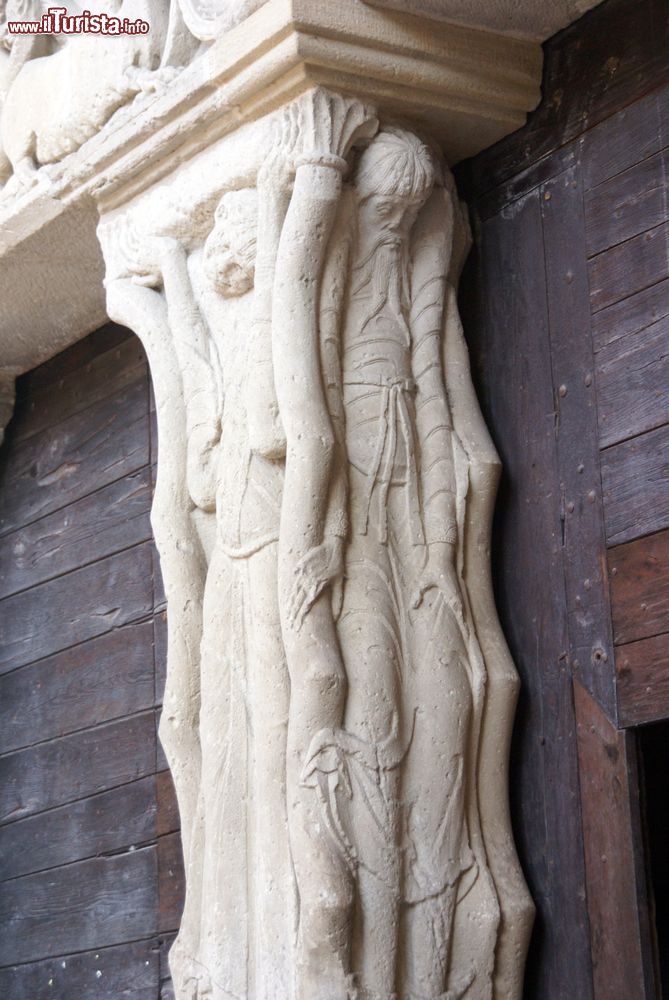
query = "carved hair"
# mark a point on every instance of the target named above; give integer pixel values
(230, 248)
(396, 164)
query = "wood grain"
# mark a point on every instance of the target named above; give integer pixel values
(126, 972)
(105, 374)
(102, 901)
(103, 679)
(75, 457)
(639, 573)
(643, 680)
(627, 204)
(633, 384)
(626, 138)
(107, 521)
(108, 823)
(106, 338)
(576, 433)
(631, 315)
(167, 810)
(611, 57)
(617, 898)
(629, 267)
(75, 607)
(635, 479)
(510, 347)
(60, 771)
(170, 882)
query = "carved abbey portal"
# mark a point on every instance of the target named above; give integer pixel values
(339, 694)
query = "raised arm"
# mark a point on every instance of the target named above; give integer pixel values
(165, 259)
(431, 252)
(430, 260)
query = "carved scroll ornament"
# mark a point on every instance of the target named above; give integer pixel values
(339, 695)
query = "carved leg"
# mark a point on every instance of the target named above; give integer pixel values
(323, 879)
(270, 866)
(439, 849)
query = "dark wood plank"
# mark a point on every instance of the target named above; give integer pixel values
(643, 680)
(102, 901)
(104, 522)
(639, 573)
(635, 478)
(75, 607)
(507, 330)
(601, 63)
(629, 267)
(101, 824)
(166, 988)
(161, 759)
(123, 972)
(170, 882)
(60, 771)
(78, 456)
(627, 137)
(77, 356)
(630, 203)
(616, 899)
(572, 362)
(633, 384)
(159, 599)
(160, 653)
(103, 679)
(105, 374)
(631, 315)
(167, 810)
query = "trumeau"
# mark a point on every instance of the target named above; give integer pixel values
(278, 223)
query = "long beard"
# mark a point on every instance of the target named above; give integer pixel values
(385, 270)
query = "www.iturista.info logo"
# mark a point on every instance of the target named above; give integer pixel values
(57, 21)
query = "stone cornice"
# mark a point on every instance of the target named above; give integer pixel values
(464, 86)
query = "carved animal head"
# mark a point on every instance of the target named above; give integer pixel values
(230, 248)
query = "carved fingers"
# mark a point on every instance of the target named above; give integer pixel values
(132, 253)
(439, 575)
(322, 565)
(330, 125)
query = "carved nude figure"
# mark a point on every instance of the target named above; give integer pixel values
(238, 927)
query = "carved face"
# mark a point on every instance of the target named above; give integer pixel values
(393, 216)
(230, 248)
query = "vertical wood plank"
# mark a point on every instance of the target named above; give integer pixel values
(617, 895)
(573, 367)
(509, 342)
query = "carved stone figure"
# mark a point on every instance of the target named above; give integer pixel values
(321, 513)
(207, 19)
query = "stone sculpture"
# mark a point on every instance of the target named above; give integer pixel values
(336, 674)
(43, 117)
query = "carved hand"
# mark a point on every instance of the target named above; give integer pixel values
(147, 257)
(321, 566)
(440, 574)
(278, 168)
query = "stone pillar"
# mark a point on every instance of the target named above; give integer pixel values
(280, 227)
(339, 696)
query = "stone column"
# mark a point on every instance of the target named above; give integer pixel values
(339, 695)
